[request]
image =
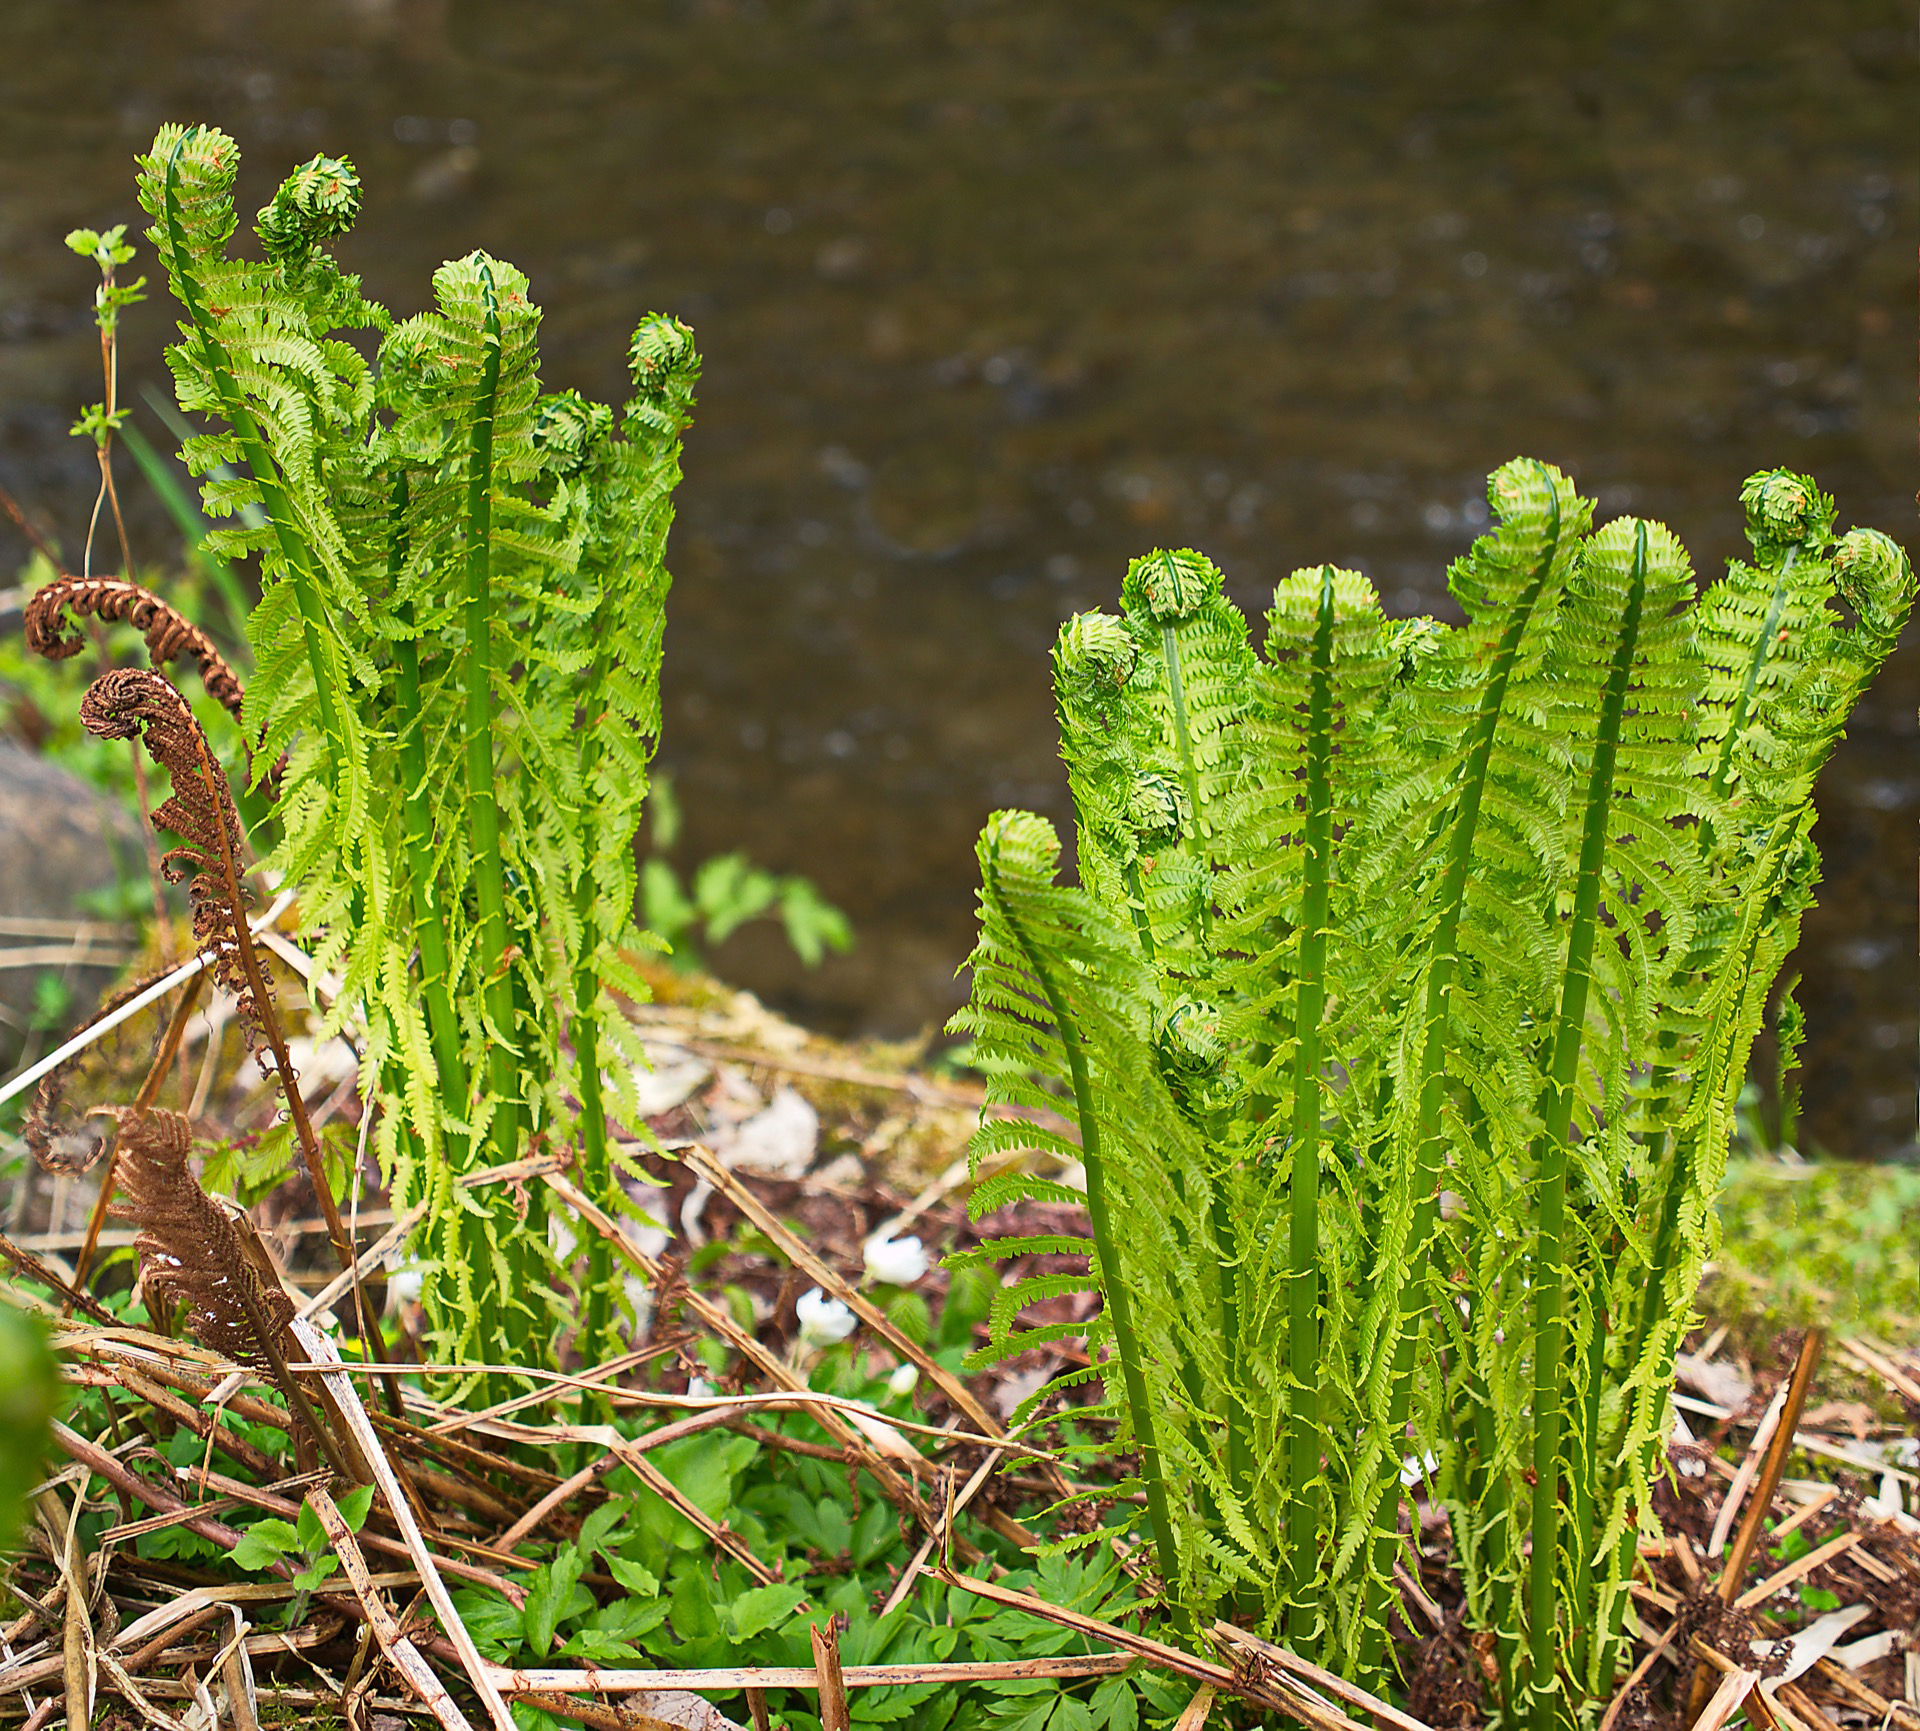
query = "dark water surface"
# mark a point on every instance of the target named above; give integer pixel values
(994, 295)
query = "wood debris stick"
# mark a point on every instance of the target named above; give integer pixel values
(364, 1263)
(136, 1697)
(1774, 1465)
(1804, 1513)
(77, 1654)
(32, 1268)
(1807, 1441)
(1735, 1686)
(1635, 1678)
(1795, 1700)
(317, 1346)
(236, 1670)
(718, 1532)
(404, 1656)
(1794, 1571)
(1749, 1467)
(1197, 1711)
(1882, 1366)
(725, 1680)
(671, 1710)
(955, 1503)
(834, 1712)
(1871, 1699)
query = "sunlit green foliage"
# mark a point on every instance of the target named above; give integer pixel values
(457, 650)
(1404, 1002)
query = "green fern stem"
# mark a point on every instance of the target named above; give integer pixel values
(1137, 906)
(483, 806)
(1303, 1324)
(1549, 1261)
(273, 496)
(1585, 1487)
(443, 1027)
(1143, 929)
(1189, 771)
(1435, 1023)
(1126, 1346)
(585, 1029)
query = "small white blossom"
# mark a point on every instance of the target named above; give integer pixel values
(903, 1379)
(1417, 1467)
(700, 1388)
(824, 1321)
(405, 1283)
(898, 1261)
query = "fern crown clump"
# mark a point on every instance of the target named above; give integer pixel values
(1392, 913)
(457, 654)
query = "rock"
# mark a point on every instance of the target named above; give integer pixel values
(60, 840)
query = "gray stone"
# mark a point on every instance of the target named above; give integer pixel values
(60, 841)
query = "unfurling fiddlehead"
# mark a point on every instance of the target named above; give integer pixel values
(168, 633)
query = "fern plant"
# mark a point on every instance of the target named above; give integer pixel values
(1403, 1001)
(458, 650)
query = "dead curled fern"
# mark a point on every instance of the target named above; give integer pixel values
(189, 1250)
(168, 633)
(132, 702)
(192, 1252)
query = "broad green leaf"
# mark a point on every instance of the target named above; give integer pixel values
(263, 1544)
(761, 1608)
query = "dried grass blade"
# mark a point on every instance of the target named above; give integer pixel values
(320, 1349)
(124, 1012)
(403, 1654)
(896, 1489)
(701, 1161)
(727, 1678)
(1277, 1693)
(1244, 1646)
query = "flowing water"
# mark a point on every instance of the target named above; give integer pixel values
(995, 295)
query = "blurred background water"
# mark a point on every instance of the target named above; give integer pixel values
(994, 295)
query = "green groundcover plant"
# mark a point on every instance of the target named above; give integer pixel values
(1404, 1001)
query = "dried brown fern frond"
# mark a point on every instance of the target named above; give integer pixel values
(189, 1250)
(168, 633)
(192, 1253)
(132, 702)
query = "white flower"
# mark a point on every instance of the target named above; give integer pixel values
(700, 1389)
(405, 1282)
(824, 1321)
(898, 1261)
(903, 1379)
